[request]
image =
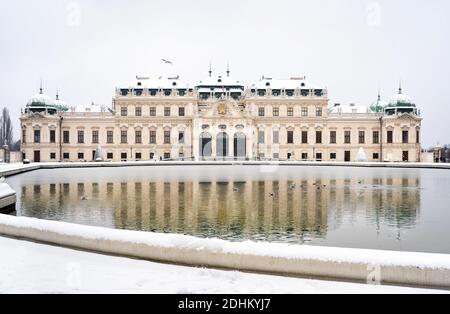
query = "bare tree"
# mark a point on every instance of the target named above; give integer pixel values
(6, 129)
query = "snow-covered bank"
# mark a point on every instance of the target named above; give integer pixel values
(349, 264)
(14, 169)
(27, 267)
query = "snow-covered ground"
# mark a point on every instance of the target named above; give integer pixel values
(27, 267)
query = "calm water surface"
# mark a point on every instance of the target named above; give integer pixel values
(393, 209)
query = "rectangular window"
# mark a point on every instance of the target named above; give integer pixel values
(52, 156)
(124, 111)
(333, 156)
(166, 137)
(123, 156)
(138, 137)
(167, 112)
(181, 137)
(276, 156)
(319, 111)
(319, 156)
(81, 156)
(123, 137)
(138, 112)
(80, 137)
(24, 136)
(110, 137)
(390, 137)
(37, 136)
(417, 137)
(94, 137)
(52, 136)
(166, 156)
(376, 137)
(276, 137)
(261, 112)
(152, 137)
(347, 137)
(304, 156)
(376, 156)
(333, 137)
(110, 156)
(362, 137)
(290, 137)
(405, 137)
(66, 137)
(304, 137)
(152, 111)
(152, 156)
(181, 111)
(138, 156)
(304, 111)
(276, 112)
(261, 137)
(290, 112)
(318, 137)
(66, 156)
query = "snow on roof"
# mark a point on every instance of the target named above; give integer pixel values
(293, 83)
(338, 109)
(219, 81)
(93, 108)
(41, 99)
(157, 83)
(401, 99)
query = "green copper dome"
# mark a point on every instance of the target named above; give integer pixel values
(378, 106)
(400, 100)
(41, 103)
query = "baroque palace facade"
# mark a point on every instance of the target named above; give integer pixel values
(220, 119)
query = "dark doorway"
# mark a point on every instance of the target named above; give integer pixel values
(405, 156)
(347, 156)
(37, 156)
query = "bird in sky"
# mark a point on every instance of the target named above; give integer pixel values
(166, 61)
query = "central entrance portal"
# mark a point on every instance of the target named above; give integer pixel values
(222, 145)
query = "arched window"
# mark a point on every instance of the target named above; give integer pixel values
(222, 145)
(205, 145)
(240, 145)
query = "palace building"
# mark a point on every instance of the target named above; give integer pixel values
(221, 119)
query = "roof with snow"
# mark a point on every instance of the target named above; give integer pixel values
(93, 108)
(293, 84)
(41, 100)
(400, 100)
(219, 82)
(157, 83)
(346, 109)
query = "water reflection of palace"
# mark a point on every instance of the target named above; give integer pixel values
(296, 209)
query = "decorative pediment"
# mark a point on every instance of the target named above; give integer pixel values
(222, 108)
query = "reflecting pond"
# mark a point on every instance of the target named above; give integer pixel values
(379, 208)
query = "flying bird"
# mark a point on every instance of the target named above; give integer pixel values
(166, 61)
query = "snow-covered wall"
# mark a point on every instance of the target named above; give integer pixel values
(403, 268)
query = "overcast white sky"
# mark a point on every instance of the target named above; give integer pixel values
(352, 47)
